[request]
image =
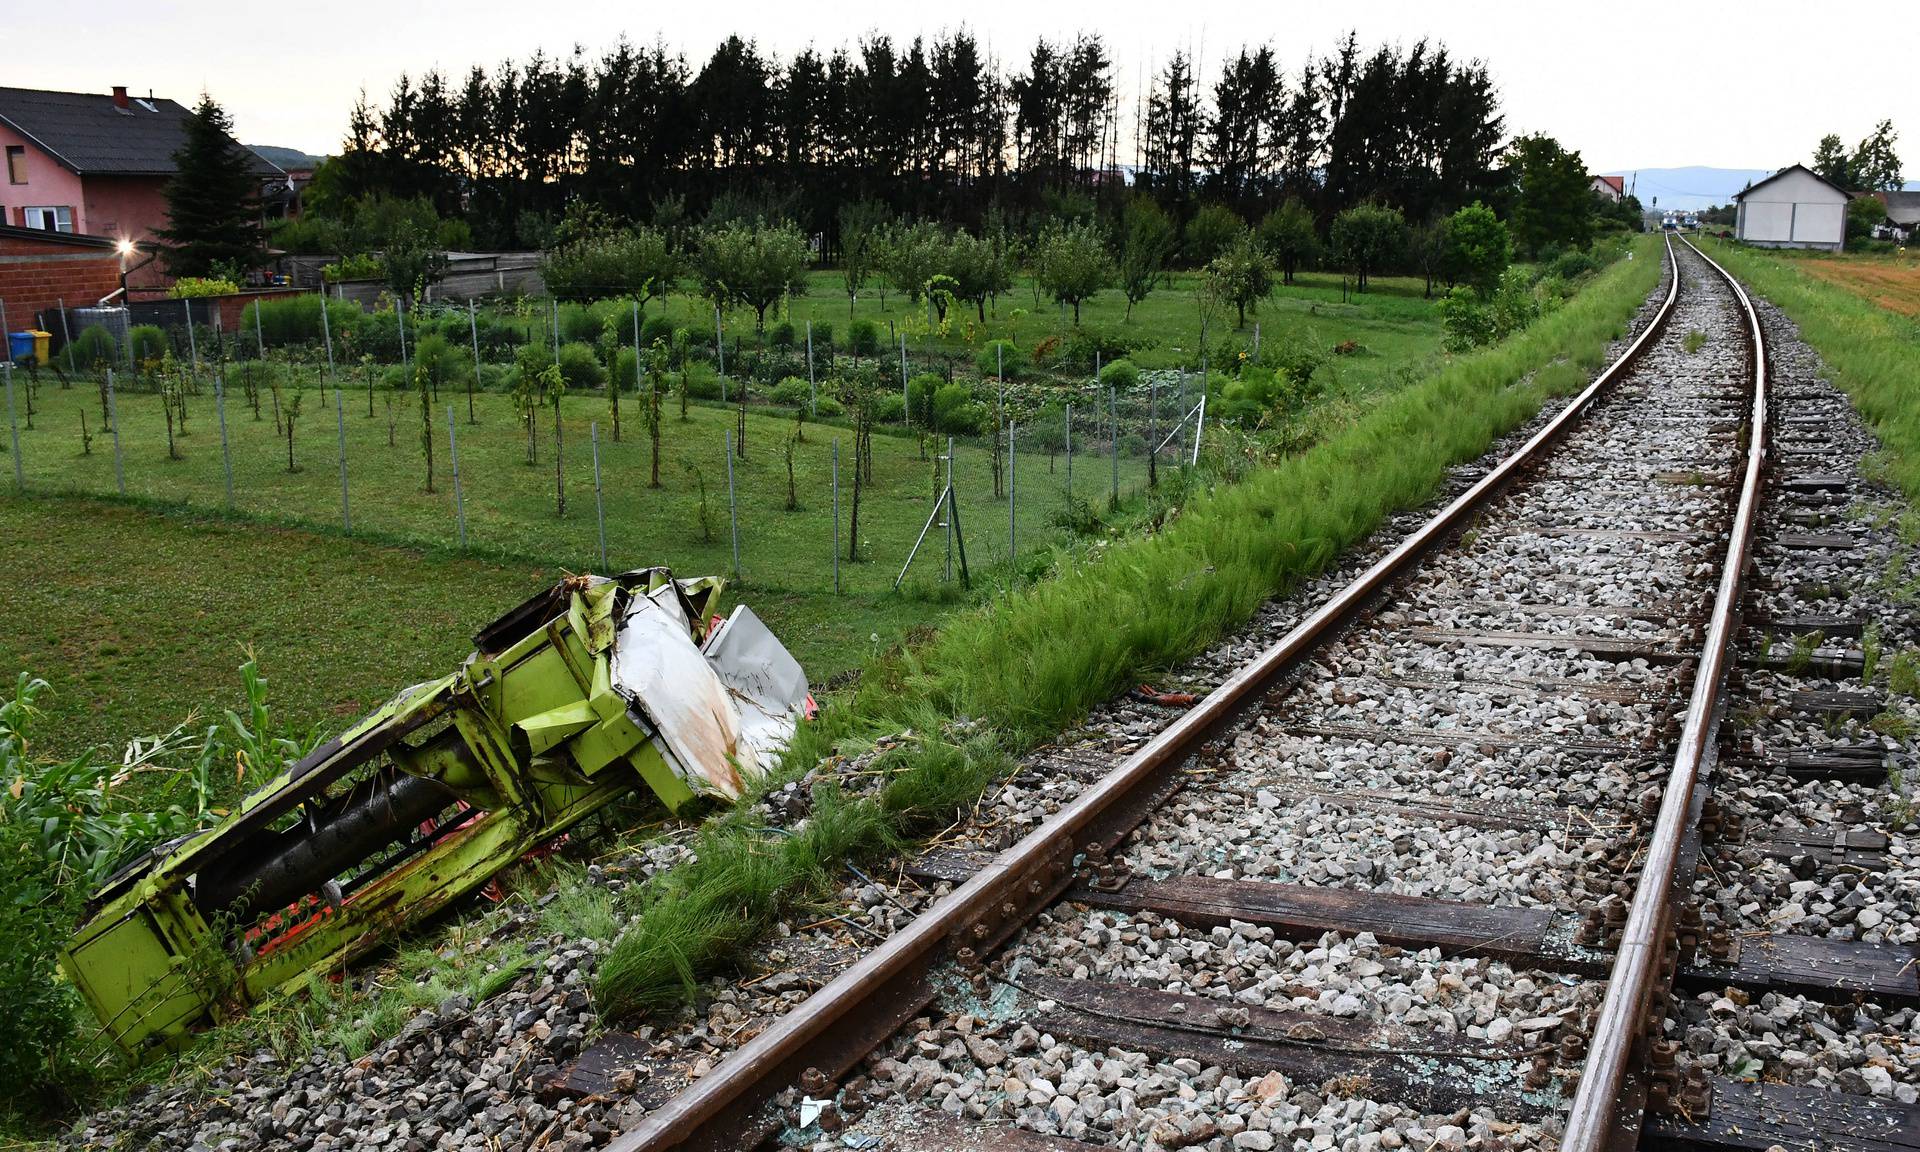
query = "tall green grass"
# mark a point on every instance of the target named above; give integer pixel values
(1018, 670)
(1873, 354)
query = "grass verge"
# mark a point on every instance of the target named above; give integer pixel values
(1028, 665)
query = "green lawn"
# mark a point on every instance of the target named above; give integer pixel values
(193, 585)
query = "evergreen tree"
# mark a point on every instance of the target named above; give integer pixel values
(213, 214)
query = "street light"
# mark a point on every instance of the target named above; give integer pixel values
(126, 247)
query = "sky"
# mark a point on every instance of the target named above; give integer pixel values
(1755, 87)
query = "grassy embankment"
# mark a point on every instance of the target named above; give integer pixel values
(1030, 666)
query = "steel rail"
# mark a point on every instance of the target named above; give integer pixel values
(749, 1077)
(1596, 1112)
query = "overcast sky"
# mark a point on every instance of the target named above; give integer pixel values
(1755, 88)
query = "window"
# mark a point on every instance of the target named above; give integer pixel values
(16, 164)
(50, 219)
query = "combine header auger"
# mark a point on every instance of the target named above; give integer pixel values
(579, 696)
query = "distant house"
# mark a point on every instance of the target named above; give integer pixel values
(92, 164)
(1795, 207)
(1903, 214)
(1612, 188)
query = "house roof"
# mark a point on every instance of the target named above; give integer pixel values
(1902, 207)
(1617, 183)
(88, 134)
(1755, 187)
(49, 236)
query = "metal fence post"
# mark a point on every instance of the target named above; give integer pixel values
(813, 396)
(733, 506)
(1013, 505)
(19, 472)
(836, 515)
(1069, 451)
(193, 345)
(948, 497)
(1113, 418)
(599, 510)
(66, 334)
(113, 413)
(226, 454)
(720, 350)
(260, 340)
(340, 421)
(459, 505)
(326, 333)
(1199, 421)
(906, 405)
(1256, 341)
(473, 331)
(556, 329)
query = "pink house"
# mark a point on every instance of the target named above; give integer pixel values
(91, 164)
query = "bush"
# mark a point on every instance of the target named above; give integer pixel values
(377, 334)
(792, 392)
(1572, 265)
(863, 338)
(577, 323)
(580, 366)
(887, 409)
(781, 335)
(360, 266)
(956, 412)
(95, 347)
(1119, 374)
(1000, 356)
(188, 287)
(656, 328)
(920, 396)
(822, 338)
(150, 343)
(703, 383)
(296, 320)
(625, 364)
(827, 406)
(446, 363)
(1468, 322)
(1514, 304)
(1083, 347)
(35, 917)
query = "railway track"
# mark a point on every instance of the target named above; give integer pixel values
(1435, 855)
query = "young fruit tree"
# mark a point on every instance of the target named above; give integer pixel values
(1367, 236)
(1071, 263)
(1147, 240)
(751, 266)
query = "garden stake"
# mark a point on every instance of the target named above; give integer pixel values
(599, 509)
(836, 515)
(226, 457)
(733, 507)
(260, 341)
(19, 473)
(192, 345)
(113, 408)
(340, 420)
(813, 398)
(906, 407)
(66, 334)
(1199, 422)
(453, 452)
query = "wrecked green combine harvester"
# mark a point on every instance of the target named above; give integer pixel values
(572, 700)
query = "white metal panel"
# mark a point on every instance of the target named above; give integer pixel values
(1820, 223)
(1767, 222)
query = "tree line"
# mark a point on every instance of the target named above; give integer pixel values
(929, 129)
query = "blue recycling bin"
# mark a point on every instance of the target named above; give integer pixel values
(19, 345)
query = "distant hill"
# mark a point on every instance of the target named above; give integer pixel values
(286, 158)
(1691, 189)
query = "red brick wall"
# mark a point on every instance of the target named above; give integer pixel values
(37, 274)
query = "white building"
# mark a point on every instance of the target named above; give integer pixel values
(1610, 188)
(1793, 208)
